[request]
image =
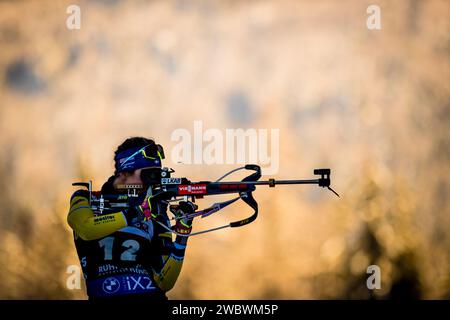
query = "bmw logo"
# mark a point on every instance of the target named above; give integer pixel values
(111, 285)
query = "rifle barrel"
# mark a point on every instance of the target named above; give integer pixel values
(268, 182)
(311, 181)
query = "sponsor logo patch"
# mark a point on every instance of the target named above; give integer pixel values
(192, 189)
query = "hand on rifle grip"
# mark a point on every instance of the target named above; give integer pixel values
(140, 213)
(183, 225)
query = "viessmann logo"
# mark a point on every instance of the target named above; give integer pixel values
(192, 189)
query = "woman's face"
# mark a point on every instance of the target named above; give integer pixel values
(128, 178)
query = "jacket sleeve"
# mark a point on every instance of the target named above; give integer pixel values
(167, 266)
(86, 225)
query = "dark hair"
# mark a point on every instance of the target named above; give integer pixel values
(130, 143)
(133, 142)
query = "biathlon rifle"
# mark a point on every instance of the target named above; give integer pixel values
(181, 189)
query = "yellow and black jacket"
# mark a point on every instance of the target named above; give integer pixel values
(121, 259)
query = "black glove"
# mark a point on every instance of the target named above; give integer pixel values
(183, 225)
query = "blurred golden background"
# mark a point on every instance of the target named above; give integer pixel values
(373, 105)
